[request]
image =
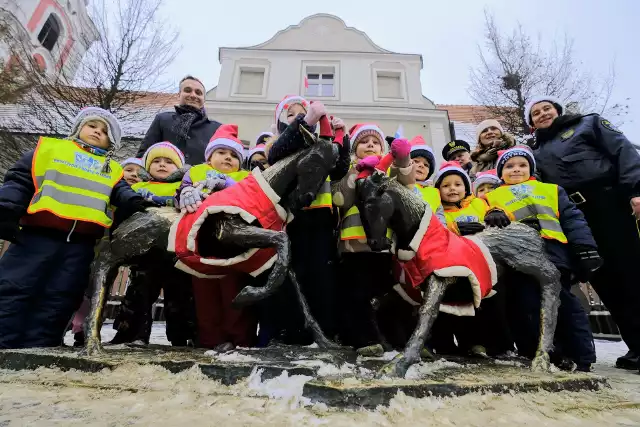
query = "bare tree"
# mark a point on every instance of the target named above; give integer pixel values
(121, 72)
(514, 68)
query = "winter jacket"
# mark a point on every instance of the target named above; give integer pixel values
(18, 190)
(162, 129)
(188, 181)
(586, 153)
(486, 158)
(151, 188)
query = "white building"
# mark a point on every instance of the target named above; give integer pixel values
(357, 80)
(55, 33)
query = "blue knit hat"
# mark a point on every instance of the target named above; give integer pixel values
(518, 150)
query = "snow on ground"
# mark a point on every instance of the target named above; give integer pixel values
(150, 395)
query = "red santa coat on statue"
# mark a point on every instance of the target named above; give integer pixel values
(253, 200)
(436, 250)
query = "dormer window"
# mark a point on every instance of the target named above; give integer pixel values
(49, 33)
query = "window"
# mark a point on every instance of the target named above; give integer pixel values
(251, 81)
(320, 81)
(389, 85)
(49, 33)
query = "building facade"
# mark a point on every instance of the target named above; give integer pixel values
(323, 59)
(56, 33)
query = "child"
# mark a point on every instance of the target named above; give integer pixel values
(220, 326)
(160, 178)
(131, 168)
(485, 183)
(56, 203)
(257, 156)
(569, 244)
(424, 164)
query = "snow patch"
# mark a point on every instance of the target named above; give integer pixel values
(387, 357)
(421, 370)
(282, 387)
(230, 357)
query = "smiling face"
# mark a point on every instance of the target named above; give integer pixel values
(95, 133)
(131, 172)
(192, 93)
(421, 166)
(452, 188)
(162, 167)
(224, 160)
(516, 170)
(543, 114)
(490, 136)
(368, 146)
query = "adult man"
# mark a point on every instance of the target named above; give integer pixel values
(458, 151)
(188, 127)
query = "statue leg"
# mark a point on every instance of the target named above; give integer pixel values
(433, 296)
(240, 233)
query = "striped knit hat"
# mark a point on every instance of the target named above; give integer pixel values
(225, 137)
(361, 130)
(163, 149)
(518, 150)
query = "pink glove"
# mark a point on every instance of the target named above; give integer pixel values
(315, 111)
(368, 163)
(400, 149)
(337, 123)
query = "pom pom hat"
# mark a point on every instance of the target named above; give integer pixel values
(225, 137)
(419, 148)
(361, 130)
(163, 149)
(542, 98)
(132, 161)
(518, 150)
(487, 177)
(449, 168)
(284, 105)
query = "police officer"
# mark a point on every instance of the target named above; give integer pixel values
(458, 151)
(600, 170)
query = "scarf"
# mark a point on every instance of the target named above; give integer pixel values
(107, 154)
(175, 176)
(485, 158)
(186, 116)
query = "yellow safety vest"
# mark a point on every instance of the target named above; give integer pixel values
(351, 227)
(158, 188)
(431, 196)
(203, 171)
(474, 211)
(531, 199)
(323, 198)
(70, 184)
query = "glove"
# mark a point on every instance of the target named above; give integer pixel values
(496, 218)
(532, 222)
(368, 163)
(217, 182)
(467, 228)
(400, 149)
(589, 261)
(9, 231)
(315, 111)
(191, 198)
(337, 123)
(146, 194)
(256, 164)
(141, 205)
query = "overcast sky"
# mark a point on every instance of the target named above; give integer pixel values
(445, 32)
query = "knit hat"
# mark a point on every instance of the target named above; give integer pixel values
(163, 149)
(487, 124)
(541, 98)
(518, 150)
(284, 105)
(454, 147)
(360, 130)
(419, 148)
(258, 145)
(487, 177)
(225, 137)
(132, 161)
(94, 113)
(449, 168)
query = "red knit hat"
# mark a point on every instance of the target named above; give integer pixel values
(225, 137)
(360, 130)
(449, 168)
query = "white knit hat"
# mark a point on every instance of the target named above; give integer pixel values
(132, 161)
(487, 124)
(541, 98)
(287, 102)
(95, 113)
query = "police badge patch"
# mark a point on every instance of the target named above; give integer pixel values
(568, 134)
(607, 125)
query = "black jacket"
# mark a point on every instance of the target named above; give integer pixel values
(162, 129)
(586, 152)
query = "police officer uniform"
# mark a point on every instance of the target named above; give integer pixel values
(600, 170)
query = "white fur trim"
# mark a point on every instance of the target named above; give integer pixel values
(225, 262)
(338, 199)
(405, 255)
(184, 267)
(491, 293)
(422, 229)
(458, 310)
(233, 210)
(400, 290)
(487, 256)
(173, 232)
(264, 185)
(462, 271)
(267, 265)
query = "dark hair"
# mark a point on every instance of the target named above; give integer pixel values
(190, 77)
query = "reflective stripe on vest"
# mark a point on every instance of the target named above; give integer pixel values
(431, 196)
(474, 212)
(158, 188)
(531, 199)
(204, 171)
(351, 227)
(323, 198)
(69, 182)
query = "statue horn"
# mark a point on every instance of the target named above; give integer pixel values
(308, 136)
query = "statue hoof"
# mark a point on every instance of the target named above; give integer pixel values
(375, 350)
(397, 368)
(92, 348)
(541, 363)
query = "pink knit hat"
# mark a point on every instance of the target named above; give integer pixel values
(487, 177)
(449, 168)
(163, 149)
(360, 130)
(225, 137)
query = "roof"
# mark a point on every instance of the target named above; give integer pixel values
(473, 114)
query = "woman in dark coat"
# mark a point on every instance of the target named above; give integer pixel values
(600, 170)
